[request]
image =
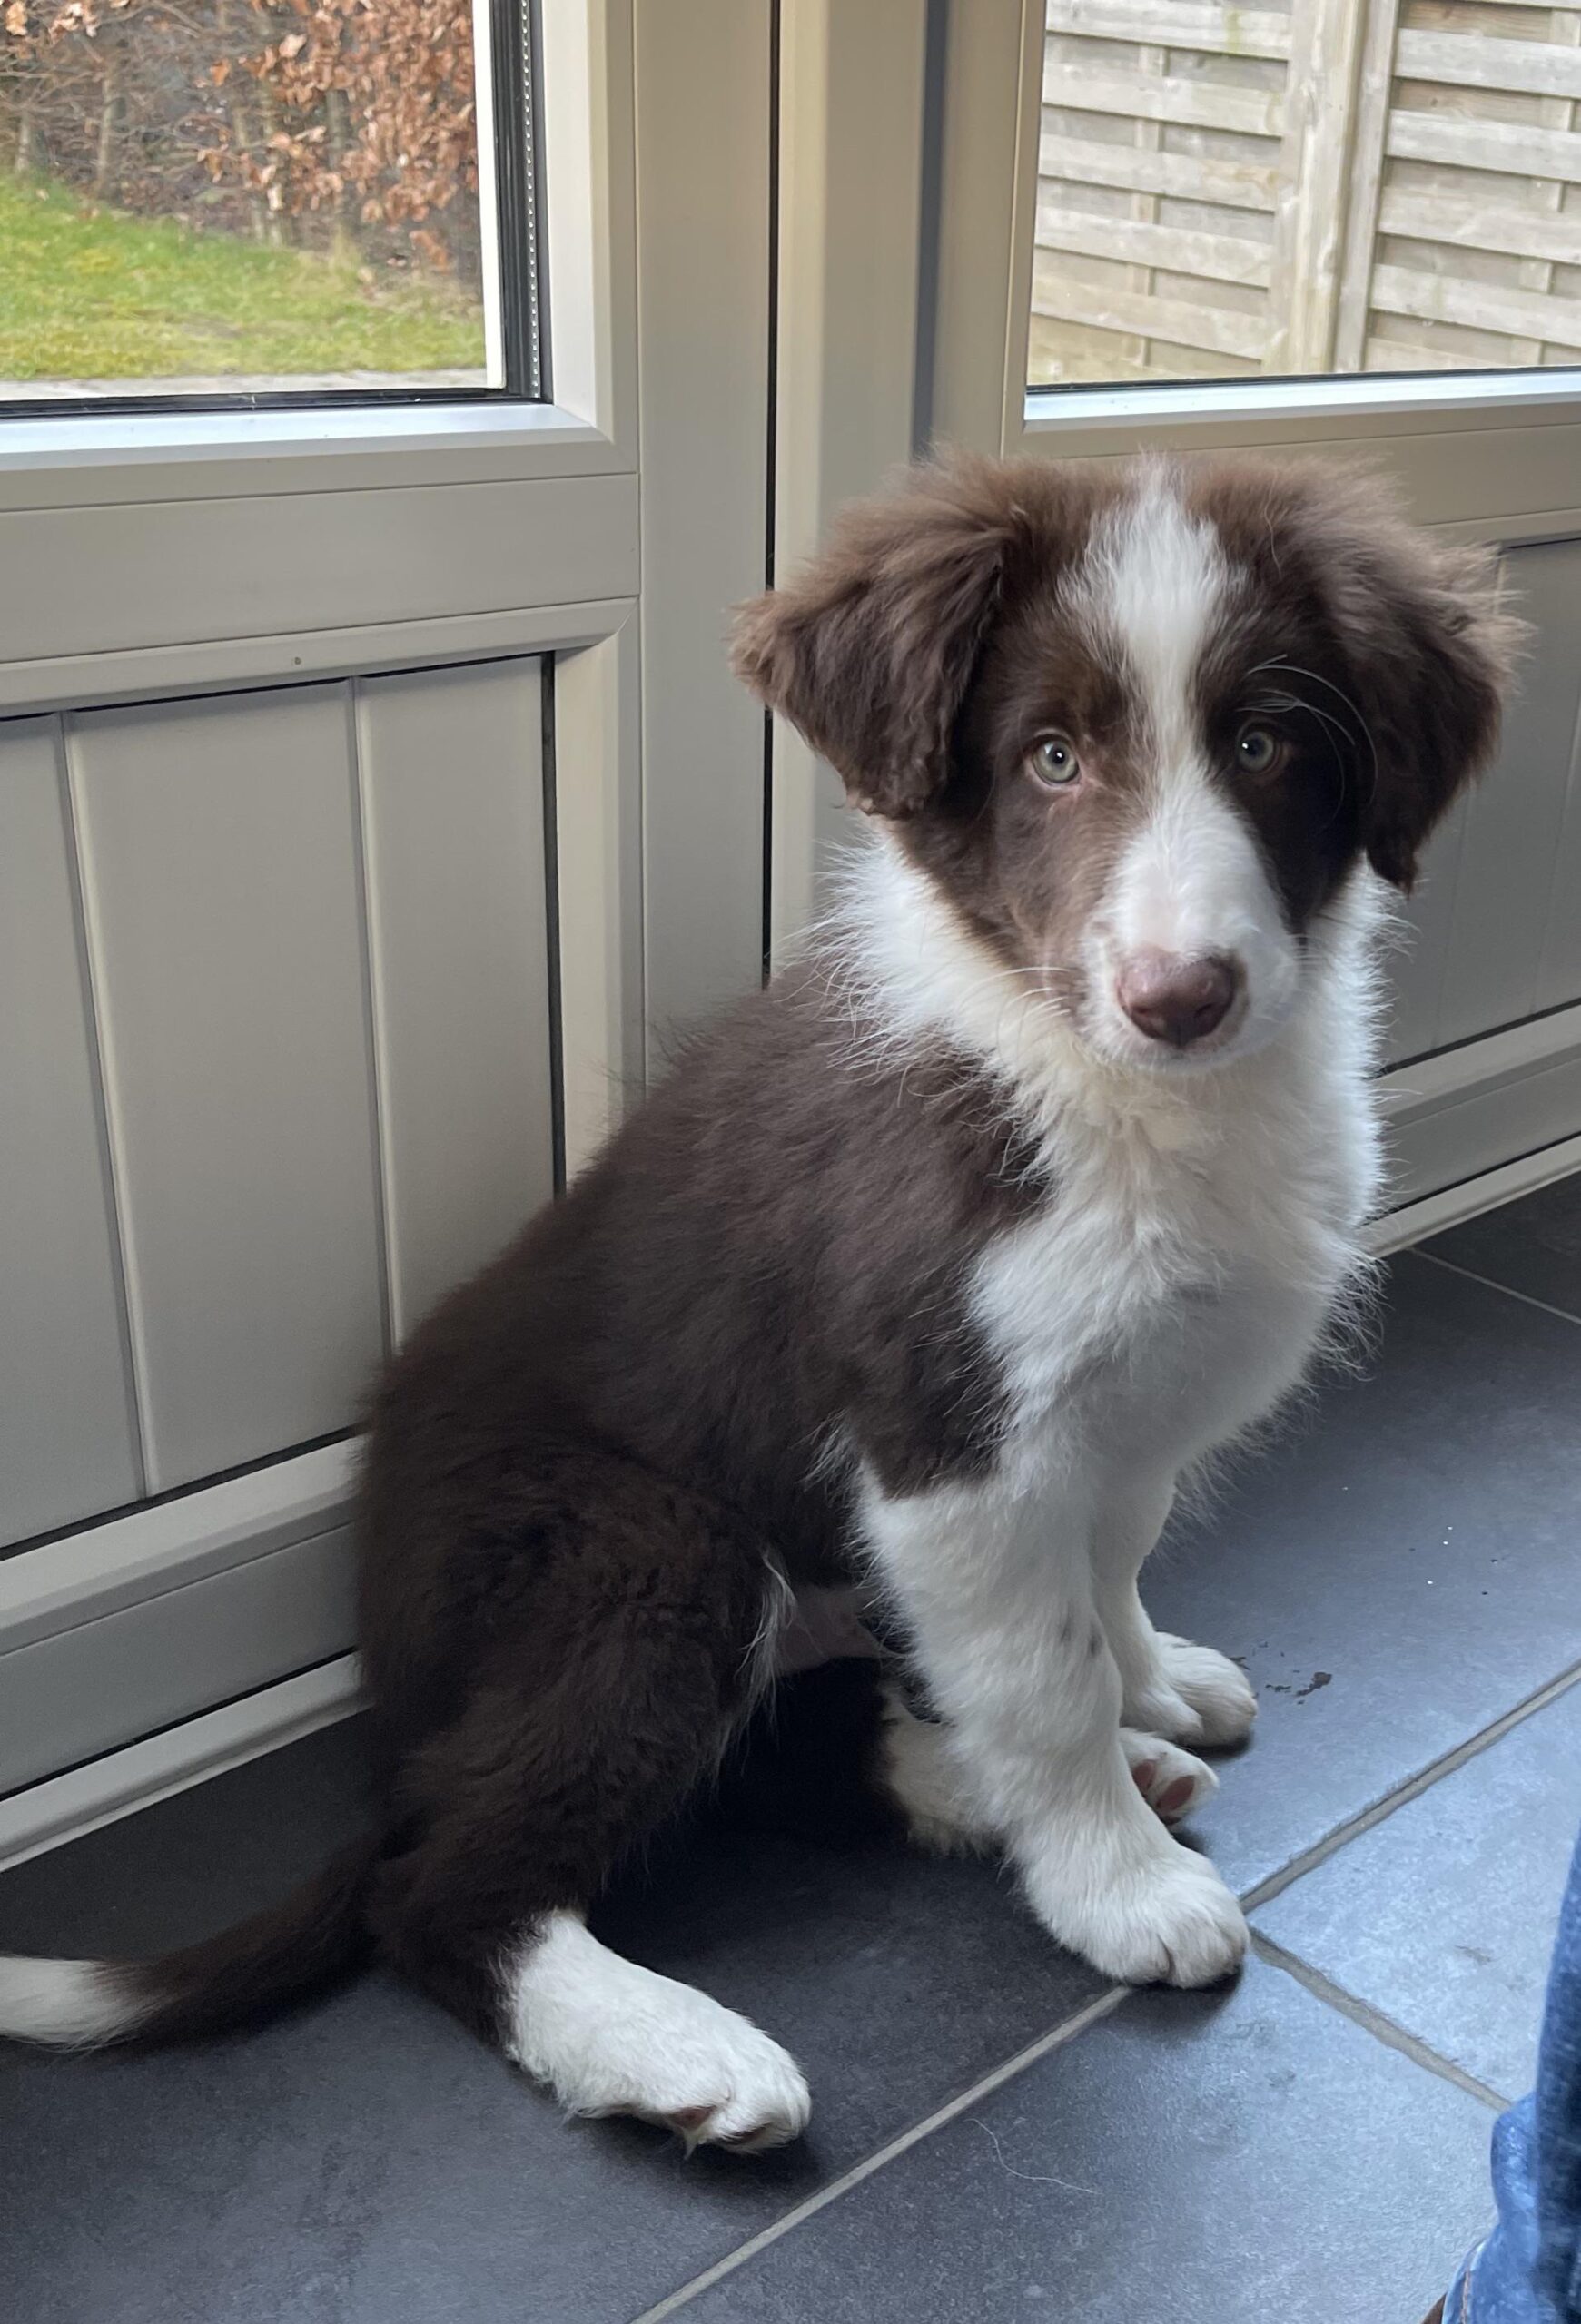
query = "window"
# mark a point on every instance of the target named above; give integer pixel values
(223, 199)
(1325, 186)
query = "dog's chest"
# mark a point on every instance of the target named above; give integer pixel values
(1161, 1302)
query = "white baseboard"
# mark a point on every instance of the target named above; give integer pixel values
(1451, 1206)
(45, 1814)
(1472, 1112)
(129, 1626)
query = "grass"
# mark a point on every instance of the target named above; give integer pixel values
(91, 293)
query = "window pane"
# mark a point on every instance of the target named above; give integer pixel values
(1315, 187)
(215, 196)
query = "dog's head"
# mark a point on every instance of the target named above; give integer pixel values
(1137, 729)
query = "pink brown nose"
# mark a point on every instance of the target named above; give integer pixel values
(1175, 1000)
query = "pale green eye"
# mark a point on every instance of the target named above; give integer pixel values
(1054, 761)
(1256, 749)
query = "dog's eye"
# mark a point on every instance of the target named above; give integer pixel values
(1053, 762)
(1258, 749)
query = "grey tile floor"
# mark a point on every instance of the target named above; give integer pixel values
(996, 2136)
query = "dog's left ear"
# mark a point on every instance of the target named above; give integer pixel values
(869, 651)
(1433, 651)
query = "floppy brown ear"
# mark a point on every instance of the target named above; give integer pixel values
(869, 651)
(1433, 651)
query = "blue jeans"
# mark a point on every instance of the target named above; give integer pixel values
(1528, 2270)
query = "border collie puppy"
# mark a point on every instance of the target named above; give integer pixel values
(930, 1270)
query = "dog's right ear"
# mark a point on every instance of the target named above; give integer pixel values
(869, 651)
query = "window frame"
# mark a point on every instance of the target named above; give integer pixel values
(507, 46)
(86, 458)
(1524, 482)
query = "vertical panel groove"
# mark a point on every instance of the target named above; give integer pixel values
(452, 798)
(133, 1349)
(1566, 863)
(771, 455)
(704, 260)
(1514, 821)
(218, 856)
(372, 1016)
(1441, 982)
(551, 879)
(641, 1022)
(602, 977)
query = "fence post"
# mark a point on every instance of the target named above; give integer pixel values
(1549, 194)
(1325, 45)
(1371, 128)
(1149, 136)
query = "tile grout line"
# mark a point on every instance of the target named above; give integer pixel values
(1046, 2043)
(1373, 2021)
(1489, 1283)
(1449, 1764)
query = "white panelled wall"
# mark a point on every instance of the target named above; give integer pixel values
(68, 1437)
(1486, 1018)
(276, 1044)
(1498, 925)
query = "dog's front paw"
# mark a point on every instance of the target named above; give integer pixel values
(1170, 1781)
(1158, 1709)
(1177, 1925)
(1167, 1920)
(1216, 1690)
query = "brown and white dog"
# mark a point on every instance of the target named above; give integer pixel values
(932, 1269)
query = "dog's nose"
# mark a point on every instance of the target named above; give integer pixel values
(1175, 1000)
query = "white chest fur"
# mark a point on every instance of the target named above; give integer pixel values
(1199, 1229)
(1197, 1232)
(1173, 1288)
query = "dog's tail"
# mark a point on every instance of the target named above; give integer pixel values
(317, 1933)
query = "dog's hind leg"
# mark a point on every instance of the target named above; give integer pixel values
(839, 1754)
(623, 1648)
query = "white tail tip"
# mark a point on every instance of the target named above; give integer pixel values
(71, 2002)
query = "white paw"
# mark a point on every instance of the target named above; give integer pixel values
(732, 2087)
(1217, 1691)
(611, 2038)
(1166, 1919)
(1158, 1709)
(1170, 1781)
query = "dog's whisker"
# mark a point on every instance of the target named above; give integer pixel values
(1316, 677)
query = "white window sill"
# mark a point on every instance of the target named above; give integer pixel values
(74, 458)
(1415, 402)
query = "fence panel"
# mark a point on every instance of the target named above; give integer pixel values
(1338, 185)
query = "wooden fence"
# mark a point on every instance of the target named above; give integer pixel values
(1331, 185)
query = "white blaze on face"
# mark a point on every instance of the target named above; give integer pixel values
(1190, 882)
(1156, 584)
